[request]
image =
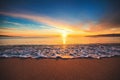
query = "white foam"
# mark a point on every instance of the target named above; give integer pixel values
(71, 51)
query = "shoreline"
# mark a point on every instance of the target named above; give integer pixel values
(59, 58)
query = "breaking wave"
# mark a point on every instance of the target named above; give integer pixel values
(61, 51)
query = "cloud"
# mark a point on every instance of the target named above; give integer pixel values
(5, 28)
(110, 19)
(14, 23)
(107, 24)
(45, 20)
(15, 26)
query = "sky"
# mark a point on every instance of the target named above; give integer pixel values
(56, 17)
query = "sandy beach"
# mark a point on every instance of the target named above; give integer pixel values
(52, 69)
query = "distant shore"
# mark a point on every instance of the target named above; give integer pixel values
(60, 69)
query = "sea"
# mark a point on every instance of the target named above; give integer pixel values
(57, 47)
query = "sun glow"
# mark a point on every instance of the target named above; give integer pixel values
(64, 35)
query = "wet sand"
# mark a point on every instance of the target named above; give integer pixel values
(51, 69)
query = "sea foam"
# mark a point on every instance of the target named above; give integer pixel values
(61, 51)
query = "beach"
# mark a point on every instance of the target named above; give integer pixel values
(59, 40)
(60, 69)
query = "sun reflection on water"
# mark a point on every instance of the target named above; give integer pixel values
(64, 36)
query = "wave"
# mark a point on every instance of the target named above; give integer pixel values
(60, 51)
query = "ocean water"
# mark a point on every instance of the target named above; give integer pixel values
(55, 47)
(57, 40)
